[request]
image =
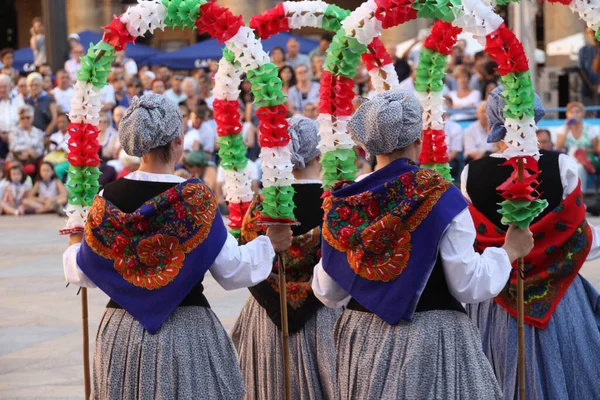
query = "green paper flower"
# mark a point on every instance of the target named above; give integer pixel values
(344, 55)
(430, 71)
(182, 13)
(442, 169)
(338, 165)
(597, 35)
(232, 152)
(436, 9)
(278, 202)
(229, 55)
(518, 95)
(505, 2)
(83, 185)
(266, 86)
(520, 212)
(334, 15)
(96, 67)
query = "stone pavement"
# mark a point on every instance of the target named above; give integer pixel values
(40, 319)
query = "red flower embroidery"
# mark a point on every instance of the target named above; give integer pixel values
(345, 234)
(344, 212)
(172, 196)
(356, 219)
(372, 208)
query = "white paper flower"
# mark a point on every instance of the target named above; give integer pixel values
(384, 78)
(76, 216)
(145, 17)
(227, 81)
(521, 138)
(238, 185)
(86, 104)
(433, 109)
(362, 24)
(276, 166)
(248, 49)
(477, 18)
(302, 14)
(589, 11)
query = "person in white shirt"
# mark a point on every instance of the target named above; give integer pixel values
(305, 91)
(398, 254)
(73, 64)
(476, 144)
(175, 93)
(9, 115)
(294, 58)
(464, 97)
(201, 136)
(63, 92)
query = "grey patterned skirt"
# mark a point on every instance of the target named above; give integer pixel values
(191, 357)
(312, 355)
(437, 356)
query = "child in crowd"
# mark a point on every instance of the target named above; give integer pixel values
(48, 193)
(15, 191)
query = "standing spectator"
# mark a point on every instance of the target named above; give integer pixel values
(278, 57)
(175, 93)
(9, 115)
(26, 142)
(476, 145)
(455, 139)
(306, 91)
(317, 67)
(134, 88)
(7, 58)
(288, 78)
(294, 58)
(589, 66)
(158, 86)
(44, 105)
(38, 41)
(63, 92)
(544, 140)
(321, 50)
(191, 89)
(579, 140)
(463, 97)
(73, 64)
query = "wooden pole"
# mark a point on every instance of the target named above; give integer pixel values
(86, 344)
(521, 309)
(285, 336)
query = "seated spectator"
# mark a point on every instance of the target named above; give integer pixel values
(9, 115)
(476, 145)
(544, 140)
(317, 68)
(47, 84)
(165, 74)
(26, 142)
(147, 77)
(202, 168)
(63, 92)
(117, 115)
(59, 147)
(21, 92)
(44, 105)
(294, 58)
(130, 164)
(579, 140)
(455, 139)
(73, 64)
(108, 174)
(114, 91)
(321, 50)
(191, 89)
(306, 91)
(7, 58)
(158, 86)
(15, 191)
(105, 138)
(129, 64)
(311, 111)
(134, 88)
(488, 87)
(464, 97)
(288, 79)
(278, 57)
(185, 116)
(48, 193)
(201, 136)
(175, 93)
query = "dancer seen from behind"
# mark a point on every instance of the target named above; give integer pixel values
(257, 333)
(149, 240)
(397, 252)
(562, 309)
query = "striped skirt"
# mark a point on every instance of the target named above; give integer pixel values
(190, 357)
(258, 342)
(437, 356)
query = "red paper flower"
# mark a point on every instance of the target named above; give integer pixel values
(526, 190)
(440, 148)
(426, 156)
(273, 126)
(394, 12)
(227, 117)
(237, 211)
(117, 35)
(376, 55)
(270, 23)
(336, 94)
(218, 22)
(442, 38)
(505, 49)
(83, 145)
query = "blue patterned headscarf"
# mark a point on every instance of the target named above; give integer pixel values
(495, 116)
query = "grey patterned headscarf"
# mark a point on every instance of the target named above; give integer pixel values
(303, 146)
(390, 121)
(495, 116)
(150, 121)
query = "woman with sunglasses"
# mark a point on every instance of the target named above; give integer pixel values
(26, 142)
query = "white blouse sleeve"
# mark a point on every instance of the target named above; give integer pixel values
(471, 277)
(73, 273)
(326, 290)
(238, 267)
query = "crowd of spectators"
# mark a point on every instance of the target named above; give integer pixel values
(34, 116)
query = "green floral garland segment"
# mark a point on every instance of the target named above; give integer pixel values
(520, 212)
(347, 55)
(232, 152)
(334, 15)
(518, 95)
(83, 185)
(266, 86)
(338, 165)
(430, 71)
(442, 169)
(182, 13)
(95, 69)
(437, 9)
(278, 202)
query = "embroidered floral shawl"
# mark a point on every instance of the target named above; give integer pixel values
(148, 261)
